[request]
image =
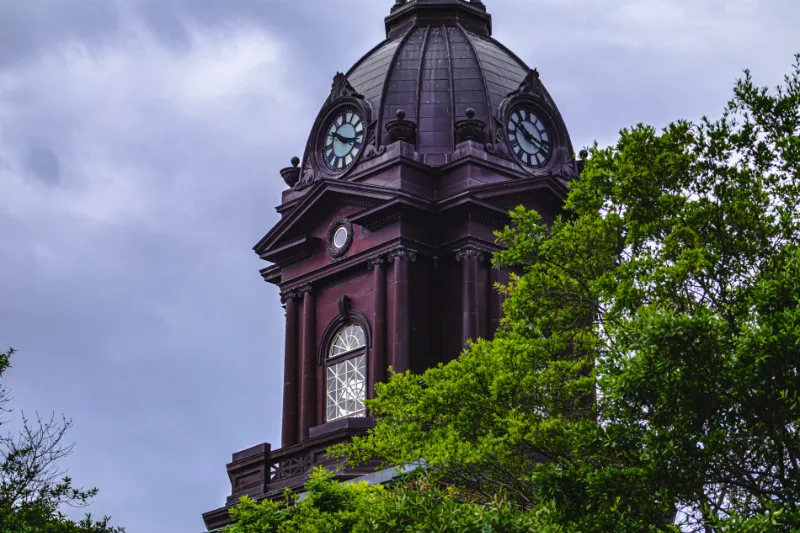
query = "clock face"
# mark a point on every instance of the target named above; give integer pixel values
(344, 139)
(529, 138)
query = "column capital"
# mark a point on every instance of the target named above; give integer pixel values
(301, 291)
(403, 253)
(376, 262)
(289, 295)
(471, 250)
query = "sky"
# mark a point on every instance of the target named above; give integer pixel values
(140, 144)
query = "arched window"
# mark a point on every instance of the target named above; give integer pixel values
(346, 374)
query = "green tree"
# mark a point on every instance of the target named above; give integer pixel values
(645, 377)
(32, 489)
(411, 506)
(646, 372)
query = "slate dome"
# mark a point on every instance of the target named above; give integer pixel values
(438, 60)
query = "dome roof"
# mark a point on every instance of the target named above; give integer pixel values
(452, 81)
(438, 60)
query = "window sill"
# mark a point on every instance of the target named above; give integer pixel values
(356, 423)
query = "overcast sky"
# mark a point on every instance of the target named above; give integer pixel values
(140, 143)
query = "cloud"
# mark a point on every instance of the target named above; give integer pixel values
(135, 179)
(132, 125)
(43, 164)
(140, 142)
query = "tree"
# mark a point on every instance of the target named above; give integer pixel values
(32, 489)
(645, 377)
(670, 293)
(410, 507)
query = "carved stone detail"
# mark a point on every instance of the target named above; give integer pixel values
(403, 253)
(581, 163)
(289, 295)
(376, 262)
(290, 467)
(470, 129)
(402, 129)
(304, 289)
(530, 85)
(470, 251)
(492, 220)
(385, 221)
(333, 251)
(344, 304)
(341, 88)
(309, 177)
(289, 258)
(351, 199)
(569, 169)
(371, 148)
(516, 199)
(291, 174)
(498, 146)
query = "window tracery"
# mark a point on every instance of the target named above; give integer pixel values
(346, 374)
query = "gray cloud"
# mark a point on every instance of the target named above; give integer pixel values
(42, 164)
(139, 147)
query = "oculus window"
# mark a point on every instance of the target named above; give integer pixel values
(346, 374)
(340, 237)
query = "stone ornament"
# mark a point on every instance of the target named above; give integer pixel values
(340, 238)
(402, 129)
(470, 129)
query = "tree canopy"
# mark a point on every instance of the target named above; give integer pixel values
(33, 489)
(645, 376)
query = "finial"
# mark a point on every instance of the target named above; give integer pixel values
(402, 129)
(291, 175)
(470, 129)
(581, 163)
(530, 85)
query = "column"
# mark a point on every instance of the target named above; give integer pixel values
(469, 256)
(308, 371)
(289, 435)
(377, 366)
(401, 343)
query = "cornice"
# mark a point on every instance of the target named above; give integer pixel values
(358, 260)
(315, 193)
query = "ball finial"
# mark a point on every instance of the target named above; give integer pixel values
(470, 113)
(401, 114)
(295, 161)
(584, 154)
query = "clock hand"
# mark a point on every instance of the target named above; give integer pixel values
(525, 133)
(349, 140)
(531, 139)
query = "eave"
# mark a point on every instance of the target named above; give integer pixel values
(311, 207)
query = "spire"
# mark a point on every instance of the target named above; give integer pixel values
(469, 13)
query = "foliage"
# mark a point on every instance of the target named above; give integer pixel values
(331, 507)
(648, 360)
(645, 377)
(32, 490)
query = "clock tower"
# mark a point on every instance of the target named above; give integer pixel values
(382, 250)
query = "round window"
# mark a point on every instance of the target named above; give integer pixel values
(340, 237)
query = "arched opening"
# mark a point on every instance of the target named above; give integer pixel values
(346, 374)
